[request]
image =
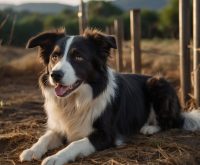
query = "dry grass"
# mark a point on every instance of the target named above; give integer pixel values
(16, 61)
(22, 119)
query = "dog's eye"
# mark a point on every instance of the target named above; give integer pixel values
(79, 58)
(55, 57)
(76, 55)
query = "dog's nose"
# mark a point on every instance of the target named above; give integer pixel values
(57, 75)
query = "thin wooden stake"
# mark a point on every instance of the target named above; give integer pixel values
(4, 22)
(196, 51)
(135, 40)
(107, 30)
(12, 30)
(184, 37)
(119, 34)
(82, 17)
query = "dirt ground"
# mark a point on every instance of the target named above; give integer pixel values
(22, 119)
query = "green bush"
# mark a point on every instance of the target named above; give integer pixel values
(25, 28)
(149, 24)
(103, 9)
(159, 24)
(169, 21)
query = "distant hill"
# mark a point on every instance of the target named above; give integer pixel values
(39, 7)
(56, 7)
(4, 6)
(143, 4)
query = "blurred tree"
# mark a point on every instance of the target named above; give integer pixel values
(98, 22)
(68, 12)
(5, 29)
(101, 14)
(54, 21)
(72, 26)
(126, 21)
(169, 21)
(26, 28)
(149, 24)
(103, 9)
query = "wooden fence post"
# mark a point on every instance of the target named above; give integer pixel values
(184, 42)
(107, 30)
(82, 17)
(4, 22)
(12, 30)
(135, 40)
(119, 34)
(112, 30)
(196, 50)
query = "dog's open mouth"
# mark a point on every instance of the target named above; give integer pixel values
(62, 90)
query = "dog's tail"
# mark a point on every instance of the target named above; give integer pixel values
(167, 106)
(191, 120)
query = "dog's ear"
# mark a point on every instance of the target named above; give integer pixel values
(111, 41)
(102, 43)
(102, 39)
(46, 42)
(106, 41)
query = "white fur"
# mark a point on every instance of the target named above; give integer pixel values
(119, 141)
(63, 65)
(66, 118)
(149, 129)
(152, 117)
(191, 120)
(151, 126)
(81, 147)
(48, 141)
(72, 117)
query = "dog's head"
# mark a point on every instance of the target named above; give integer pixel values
(73, 60)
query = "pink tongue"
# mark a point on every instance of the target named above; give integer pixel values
(60, 90)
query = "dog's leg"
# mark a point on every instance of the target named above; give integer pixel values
(165, 103)
(98, 140)
(81, 147)
(48, 141)
(151, 126)
(149, 129)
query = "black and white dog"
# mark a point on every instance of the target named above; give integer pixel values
(93, 107)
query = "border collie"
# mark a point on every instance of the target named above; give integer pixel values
(91, 106)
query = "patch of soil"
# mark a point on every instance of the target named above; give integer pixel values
(22, 122)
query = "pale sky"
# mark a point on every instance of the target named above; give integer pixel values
(16, 2)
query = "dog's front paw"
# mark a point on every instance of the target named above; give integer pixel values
(149, 129)
(29, 154)
(54, 160)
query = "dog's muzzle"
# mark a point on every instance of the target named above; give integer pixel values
(57, 76)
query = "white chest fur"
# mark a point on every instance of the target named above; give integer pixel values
(67, 117)
(74, 116)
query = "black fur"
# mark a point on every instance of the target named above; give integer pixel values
(165, 103)
(134, 96)
(46, 41)
(130, 109)
(125, 115)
